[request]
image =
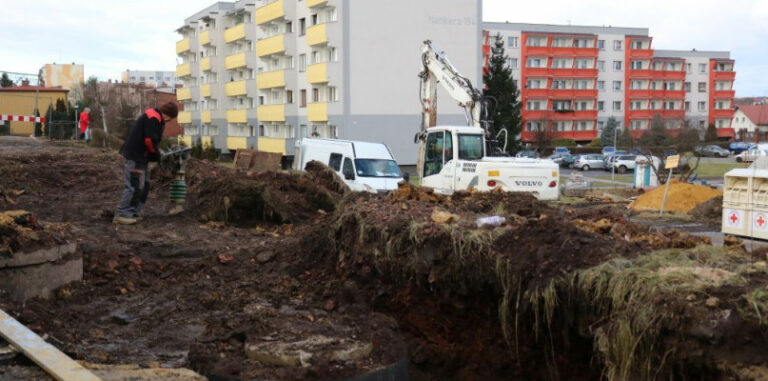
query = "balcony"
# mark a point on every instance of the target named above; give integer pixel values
(271, 113)
(234, 33)
(270, 79)
(723, 94)
(235, 61)
(205, 64)
(317, 112)
(233, 89)
(640, 73)
(573, 51)
(205, 37)
(537, 50)
(205, 117)
(678, 75)
(537, 114)
(237, 116)
(184, 94)
(317, 73)
(726, 133)
(672, 114)
(237, 142)
(574, 115)
(574, 93)
(183, 70)
(674, 94)
(317, 34)
(726, 113)
(536, 93)
(269, 12)
(642, 114)
(537, 72)
(314, 3)
(639, 93)
(184, 117)
(724, 75)
(574, 73)
(183, 46)
(583, 136)
(641, 53)
(275, 145)
(205, 90)
(270, 45)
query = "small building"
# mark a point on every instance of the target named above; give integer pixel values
(150, 78)
(20, 100)
(751, 122)
(66, 76)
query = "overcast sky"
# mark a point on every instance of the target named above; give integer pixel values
(109, 36)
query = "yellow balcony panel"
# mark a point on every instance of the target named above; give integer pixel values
(184, 94)
(205, 64)
(237, 116)
(235, 61)
(233, 89)
(205, 90)
(314, 3)
(317, 73)
(317, 112)
(271, 113)
(205, 117)
(205, 37)
(237, 142)
(270, 12)
(206, 141)
(271, 45)
(185, 140)
(234, 33)
(182, 46)
(317, 34)
(271, 79)
(184, 117)
(183, 70)
(275, 145)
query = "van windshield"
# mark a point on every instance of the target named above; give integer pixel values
(377, 168)
(470, 147)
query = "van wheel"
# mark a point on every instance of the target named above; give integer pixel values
(585, 168)
(622, 169)
(739, 160)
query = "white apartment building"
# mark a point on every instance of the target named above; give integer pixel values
(152, 78)
(261, 74)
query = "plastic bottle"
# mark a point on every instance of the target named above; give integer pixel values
(492, 221)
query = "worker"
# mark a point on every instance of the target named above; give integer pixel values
(141, 147)
(85, 124)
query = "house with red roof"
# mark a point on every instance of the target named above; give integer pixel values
(750, 122)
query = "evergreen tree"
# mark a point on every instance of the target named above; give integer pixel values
(607, 134)
(500, 85)
(625, 139)
(657, 135)
(711, 135)
(5, 81)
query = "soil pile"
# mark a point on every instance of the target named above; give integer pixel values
(711, 210)
(20, 232)
(682, 197)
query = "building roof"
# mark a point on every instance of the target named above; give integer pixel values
(758, 114)
(569, 29)
(33, 88)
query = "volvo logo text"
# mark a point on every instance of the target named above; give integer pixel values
(529, 183)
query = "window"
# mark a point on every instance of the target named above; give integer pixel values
(637, 44)
(315, 57)
(533, 84)
(617, 106)
(302, 26)
(601, 44)
(303, 98)
(601, 85)
(687, 87)
(702, 106)
(512, 63)
(688, 68)
(560, 63)
(335, 161)
(314, 19)
(533, 62)
(559, 84)
(433, 157)
(332, 56)
(333, 95)
(536, 41)
(600, 106)
(561, 105)
(687, 106)
(582, 64)
(600, 125)
(702, 87)
(617, 45)
(637, 65)
(601, 65)
(302, 62)
(289, 96)
(533, 105)
(512, 42)
(533, 126)
(470, 147)
(617, 65)
(315, 95)
(448, 152)
(702, 68)
(616, 85)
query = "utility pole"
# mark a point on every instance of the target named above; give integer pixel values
(37, 92)
(613, 167)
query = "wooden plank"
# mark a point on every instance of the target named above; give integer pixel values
(45, 355)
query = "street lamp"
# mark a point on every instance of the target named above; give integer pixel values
(77, 130)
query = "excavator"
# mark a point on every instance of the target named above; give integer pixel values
(453, 158)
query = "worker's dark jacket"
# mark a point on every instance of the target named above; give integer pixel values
(144, 138)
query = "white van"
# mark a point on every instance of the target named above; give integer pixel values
(368, 167)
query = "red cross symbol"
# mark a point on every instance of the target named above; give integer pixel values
(734, 218)
(760, 221)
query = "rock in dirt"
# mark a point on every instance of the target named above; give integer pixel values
(441, 216)
(712, 302)
(266, 256)
(305, 352)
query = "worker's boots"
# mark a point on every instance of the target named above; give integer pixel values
(121, 220)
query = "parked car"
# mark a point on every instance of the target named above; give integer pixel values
(608, 159)
(670, 152)
(711, 150)
(624, 163)
(587, 162)
(528, 153)
(568, 161)
(739, 147)
(750, 155)
(557, 157)
(562, 150)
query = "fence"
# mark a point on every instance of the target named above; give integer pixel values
(60, 130)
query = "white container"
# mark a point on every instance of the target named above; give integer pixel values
(645, 176)
(735, 220)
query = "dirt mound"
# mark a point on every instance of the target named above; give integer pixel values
(682, 197)
(711, 210)
(7, 197)
(327, 177)
(20, 232)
